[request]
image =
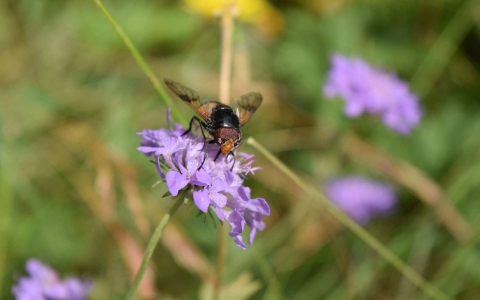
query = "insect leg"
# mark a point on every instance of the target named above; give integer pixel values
(195, 118)
(204, 154)
(205, 149)
(234, 159)
(202, 126)
(209, 142)
(190, 126)
(218, 154)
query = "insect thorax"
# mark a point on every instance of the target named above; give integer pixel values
(223, 116)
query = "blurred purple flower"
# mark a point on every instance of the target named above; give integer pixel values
(44, 284)
(370, 90)
(177, 159)
(361, 198)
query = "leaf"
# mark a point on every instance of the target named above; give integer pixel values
(157, 183)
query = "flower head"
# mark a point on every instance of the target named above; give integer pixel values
(44, 283)
(361, 198)
(262, 13)
(178, 158)
(366, 89)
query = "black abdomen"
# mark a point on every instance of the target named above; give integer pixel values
(223, 116)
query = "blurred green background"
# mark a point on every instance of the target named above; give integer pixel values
(75, 193)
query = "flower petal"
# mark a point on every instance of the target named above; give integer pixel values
(367, 89)
(219, 199)
(239, 243)
(169, 117)
(202, 178)
(220, 213)
(361, 198)
(37, 270)
(236, 221)
(159, 168)
(192, 166)
(229, 177)
(252, 235)
(218, 185)
(201, 199)
(243, 193)
(177, 157)
(77, 288)
(259, 205)
(28, 289)
(175, 182)
(175, 161)
(147, 150)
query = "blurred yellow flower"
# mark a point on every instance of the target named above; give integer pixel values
(261, 13)
(326, 7)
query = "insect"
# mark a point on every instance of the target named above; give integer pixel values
(219, 120)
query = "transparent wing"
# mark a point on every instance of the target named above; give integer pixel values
(246, 105)
(193, 99)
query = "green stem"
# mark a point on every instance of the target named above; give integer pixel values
(274, 289)
(227, 25)
(352, 225)
(143, 65)
(151, 247)
(6, 209)
(221, 255)
(228, 22)
(430, 69)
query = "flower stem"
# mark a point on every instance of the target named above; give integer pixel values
(274, 289)
(227, 25)
(143, 65)
(414, 179)
(6, 208)
(445, 46)
(376, 245)
(151, 247)
(221, 255)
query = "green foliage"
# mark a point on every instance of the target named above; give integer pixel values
(73, 97)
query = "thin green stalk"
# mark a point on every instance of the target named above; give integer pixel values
(221, 256)
(444, 48)
(151, 247)
(228, 23)
(352, 225)
(274, 289)
(143, 65)
(6, 211)
(452, 267)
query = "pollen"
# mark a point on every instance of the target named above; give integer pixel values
(227, 147)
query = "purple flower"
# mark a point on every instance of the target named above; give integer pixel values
(211, 195)
(361, 198)
(178, 157)
(43, 283)
(366, 89)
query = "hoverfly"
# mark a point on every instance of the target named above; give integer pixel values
(219, 120)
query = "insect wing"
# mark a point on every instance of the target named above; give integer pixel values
(246, 105)
(192, 98)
